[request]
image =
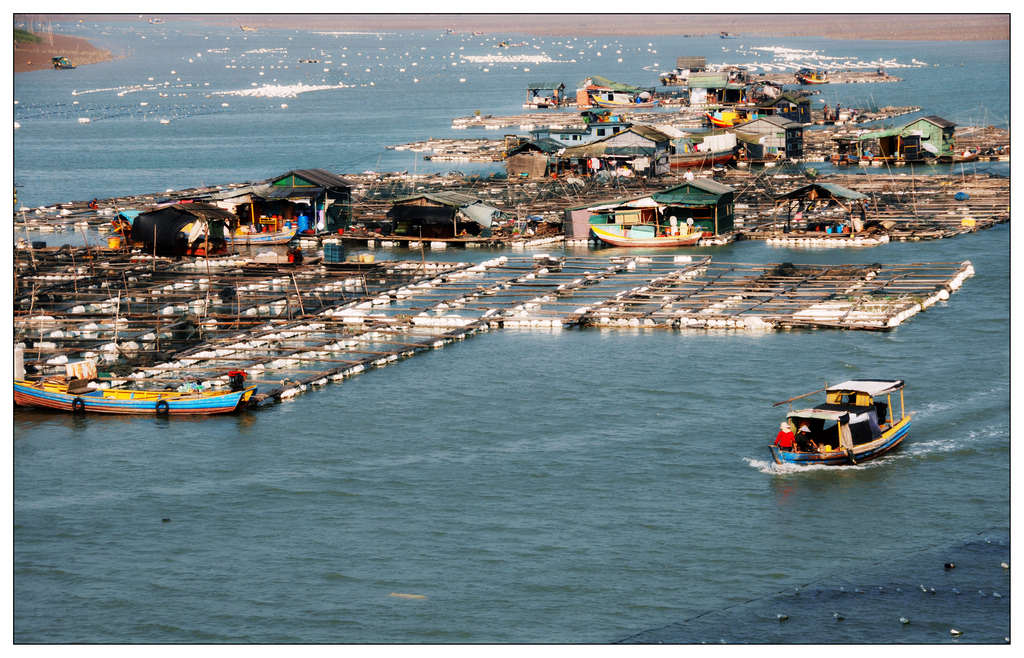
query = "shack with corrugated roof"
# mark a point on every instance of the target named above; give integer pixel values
(922, 139)
(787, 106)
(314, 200)
(638, 150)
(442, 215)
(771, 137)
(824, 207)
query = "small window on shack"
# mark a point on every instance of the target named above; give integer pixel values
(600, 132)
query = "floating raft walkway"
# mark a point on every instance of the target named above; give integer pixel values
(154, 322)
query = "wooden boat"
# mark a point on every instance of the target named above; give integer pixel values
(858, 422)
(719, 121)
(701, 158)
(601, 102)
(729, 118)
(64, 395)
(283, 236)
(966, 156)
(809, 77)
(643, 235)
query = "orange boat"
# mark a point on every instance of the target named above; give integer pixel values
(809, 77)
(729, 118)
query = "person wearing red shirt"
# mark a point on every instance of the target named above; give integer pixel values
(784, 439)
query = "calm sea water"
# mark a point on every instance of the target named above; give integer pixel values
(573, 486)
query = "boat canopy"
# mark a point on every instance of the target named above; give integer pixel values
(600, 81)
(820, 414)
(872, 387)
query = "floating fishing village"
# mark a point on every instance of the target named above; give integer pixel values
(190, 287)
(719, 203)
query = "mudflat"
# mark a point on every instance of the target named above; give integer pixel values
(38, 56)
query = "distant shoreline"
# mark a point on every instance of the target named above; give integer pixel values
(38, 56)
(876, 27)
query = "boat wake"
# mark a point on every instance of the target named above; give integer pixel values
(985, 436)
(121, 91)
(769, 467)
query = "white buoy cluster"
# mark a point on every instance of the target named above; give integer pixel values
(830, 243)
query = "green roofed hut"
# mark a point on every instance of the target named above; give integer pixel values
(922, 139)
(716, 89)
(707, 203)
(814, 207)
(710, 204)
(312, 199)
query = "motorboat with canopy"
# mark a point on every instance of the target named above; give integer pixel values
(861, 419)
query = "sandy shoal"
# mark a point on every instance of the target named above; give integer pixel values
(37, 56)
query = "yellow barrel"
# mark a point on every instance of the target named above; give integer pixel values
(114, 242)
(365, 258)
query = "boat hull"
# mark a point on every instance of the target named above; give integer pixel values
(131, 402)
(616, 239)
(708, 159)
(624, 106)
(958, 158)
(860, 453)
(274, 237)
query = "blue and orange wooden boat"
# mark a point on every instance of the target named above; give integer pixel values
(63, 395)
(858, 422)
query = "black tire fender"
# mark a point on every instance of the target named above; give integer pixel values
(162, 408)
(78, 405)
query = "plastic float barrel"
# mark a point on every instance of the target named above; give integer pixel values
(303, 223)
